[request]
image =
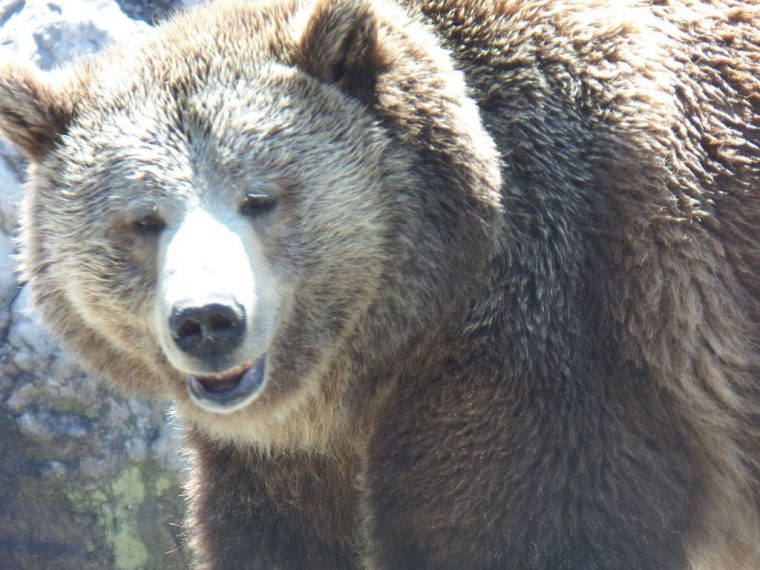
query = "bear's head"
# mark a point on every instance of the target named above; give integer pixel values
(254, 206)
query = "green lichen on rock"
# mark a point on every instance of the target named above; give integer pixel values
(128, 508)
(162, 484)
(128, 493)
(58, 514)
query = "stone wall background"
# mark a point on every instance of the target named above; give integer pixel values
(89, 479)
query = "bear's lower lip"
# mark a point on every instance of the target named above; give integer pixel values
(229, 391)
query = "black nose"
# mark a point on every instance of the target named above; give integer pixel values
(208, 331)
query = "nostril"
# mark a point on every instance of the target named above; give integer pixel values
(220, 323)
(189, 331)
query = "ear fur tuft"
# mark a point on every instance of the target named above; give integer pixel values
(32, 115)
(340, 46)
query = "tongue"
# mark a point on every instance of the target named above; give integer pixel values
(219, 386)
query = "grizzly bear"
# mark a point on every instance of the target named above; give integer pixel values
(433, 284)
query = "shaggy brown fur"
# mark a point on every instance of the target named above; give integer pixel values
(519, 249)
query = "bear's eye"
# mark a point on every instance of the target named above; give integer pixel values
(149, 224)
(256, 204)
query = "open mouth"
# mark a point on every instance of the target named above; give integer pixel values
(230, 390)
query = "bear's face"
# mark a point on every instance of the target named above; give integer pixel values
(245, 220)
(229, 239)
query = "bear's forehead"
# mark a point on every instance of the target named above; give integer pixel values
(284, 126)
(231, 69)
(265, 118)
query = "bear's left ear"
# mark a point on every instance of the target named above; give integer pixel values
(339, 45)
(32, 114)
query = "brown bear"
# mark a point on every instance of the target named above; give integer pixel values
(433, 284)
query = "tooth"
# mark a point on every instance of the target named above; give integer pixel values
(234, 371)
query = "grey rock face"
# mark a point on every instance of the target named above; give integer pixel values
(89, 479)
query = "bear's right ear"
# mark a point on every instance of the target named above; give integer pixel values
(32, 114)
(339, 45)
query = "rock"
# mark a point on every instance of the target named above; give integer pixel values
(89, 479)
(151, 11)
